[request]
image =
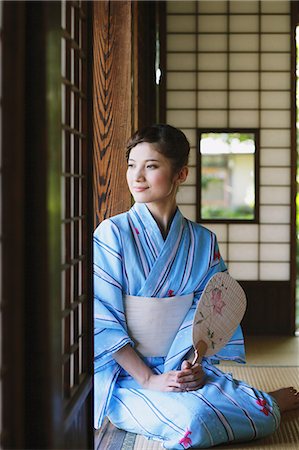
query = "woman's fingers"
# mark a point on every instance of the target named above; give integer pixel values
(190, 374)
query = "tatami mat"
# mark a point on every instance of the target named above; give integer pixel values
(266, 378)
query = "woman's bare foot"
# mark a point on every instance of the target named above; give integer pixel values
(287, 398)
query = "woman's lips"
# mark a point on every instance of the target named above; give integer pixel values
(139, 189)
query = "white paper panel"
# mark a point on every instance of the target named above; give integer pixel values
(181, 99)
(244, 80)
(275, 42)
(272, 24)
(186, 195)
(275, 138)
(275, 99)
(275, 195)
(191, 179)
(188, 211)
(274, 271)
(244, 6)
(212, 99)
(274, 252)
(245, 119)
(243, 24)
(275, 61)
(244, 42)
(275, 157)
(275, 6)
(275, 233)
(181, 80)
(243, 233)
(212, 23)
(223, 250)
(212, 61)
(244, 100)
(181, 23)
(273, 119)
(179, 42)
(243, 271)
(274, 214)
(210, 80)
(219, 229)
(243, 252)
(212, 7)
(275, 176)
(212, 42)
(272, 81)
(192, 156)
(244, 61)
(212, 119)
(181, 119)
(177, 61)
(181, 7)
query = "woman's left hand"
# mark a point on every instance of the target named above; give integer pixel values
(192, 376)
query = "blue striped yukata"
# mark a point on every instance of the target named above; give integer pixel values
(132, 258)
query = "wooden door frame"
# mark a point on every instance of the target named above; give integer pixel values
(34, 414)
(13, 236)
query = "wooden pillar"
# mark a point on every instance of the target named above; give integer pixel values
(112, 105)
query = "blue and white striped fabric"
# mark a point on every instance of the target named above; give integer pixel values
(131, 257)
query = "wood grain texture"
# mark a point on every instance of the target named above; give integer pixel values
(112, 106)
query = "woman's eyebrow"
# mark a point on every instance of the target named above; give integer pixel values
(146, 160)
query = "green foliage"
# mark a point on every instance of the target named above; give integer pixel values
(241, 213)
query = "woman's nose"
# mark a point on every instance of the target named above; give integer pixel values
(139, 174)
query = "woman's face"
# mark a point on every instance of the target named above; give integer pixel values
(150, 175)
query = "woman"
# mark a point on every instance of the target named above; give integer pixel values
(153, 252)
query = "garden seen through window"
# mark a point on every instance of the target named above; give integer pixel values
(226, 175)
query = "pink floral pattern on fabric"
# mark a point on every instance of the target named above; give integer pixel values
(137, 231)
(216, 255)
(186, 440)
(265, 407)
(170, 293)
(217, 301)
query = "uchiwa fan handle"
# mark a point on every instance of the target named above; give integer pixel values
(200, 350)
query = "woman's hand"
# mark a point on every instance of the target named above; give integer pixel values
(189, 378)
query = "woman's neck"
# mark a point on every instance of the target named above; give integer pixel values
(163, 215)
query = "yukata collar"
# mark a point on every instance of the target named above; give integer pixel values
(153, 228)
(166, 250)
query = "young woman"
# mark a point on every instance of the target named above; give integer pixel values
(145, 383)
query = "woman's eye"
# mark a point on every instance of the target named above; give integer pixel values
(151, 166)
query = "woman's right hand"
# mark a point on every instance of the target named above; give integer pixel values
(187, 379)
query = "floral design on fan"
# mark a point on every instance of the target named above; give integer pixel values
(186, 442)
(217, 302)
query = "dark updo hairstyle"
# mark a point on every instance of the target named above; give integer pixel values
(167, 140)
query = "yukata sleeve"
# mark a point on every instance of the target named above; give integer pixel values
(234, 350)
(110, 331)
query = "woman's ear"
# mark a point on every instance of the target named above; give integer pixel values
(182, 175)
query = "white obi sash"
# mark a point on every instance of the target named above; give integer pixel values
(153, 322)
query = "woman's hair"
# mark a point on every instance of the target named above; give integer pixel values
(167, 140)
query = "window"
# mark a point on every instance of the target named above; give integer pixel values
(227, 175)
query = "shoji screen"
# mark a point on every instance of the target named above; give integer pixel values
(75, 228)
(228, 65)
